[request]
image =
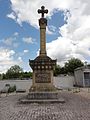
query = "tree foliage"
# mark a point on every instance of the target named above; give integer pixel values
(14, 72)
(69, 67)
(15, 69)
(57, 70)
(72, 64)
(0, 76)
(26, 75)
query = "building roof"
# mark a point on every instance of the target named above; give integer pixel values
(83, 68)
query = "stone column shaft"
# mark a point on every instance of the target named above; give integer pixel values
(42, 41)
(42, 24)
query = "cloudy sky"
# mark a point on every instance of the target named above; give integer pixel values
(68, 31)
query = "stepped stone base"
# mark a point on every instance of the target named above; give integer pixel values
(28, 101)
(42, 97)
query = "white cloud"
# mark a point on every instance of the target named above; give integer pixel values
(28, 40)
(27, 10)
(63, 49)
(8, 41)
(12, 16)
(20, 59)
(7, 59)
(16, 34)
(52, 28)
(6, 54)
(48, 31)
(11, 41)
(26, 51)
(75, 40)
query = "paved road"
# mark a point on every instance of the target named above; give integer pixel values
(77, 107)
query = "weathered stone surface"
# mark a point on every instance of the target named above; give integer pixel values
(43, 77)
(42, 63)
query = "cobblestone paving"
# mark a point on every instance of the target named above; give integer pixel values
(77, 107)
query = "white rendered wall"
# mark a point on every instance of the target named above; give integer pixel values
(60, 82)
(79, 77)
(64, 81)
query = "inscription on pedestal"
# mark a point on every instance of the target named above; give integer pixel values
(42, 77)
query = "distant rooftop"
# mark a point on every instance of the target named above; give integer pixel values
(83, 67)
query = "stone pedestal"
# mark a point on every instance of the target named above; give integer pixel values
(42, 85)
(42, 73)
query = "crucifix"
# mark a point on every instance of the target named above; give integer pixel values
(42, 11)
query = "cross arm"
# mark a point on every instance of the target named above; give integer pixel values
(46, 11)
(39, 11)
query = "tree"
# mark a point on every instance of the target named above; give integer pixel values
(0, 76)
(14, 72)
(3, 76)
(26, 75)
(15, 69)
(72, 64)
(57, 70)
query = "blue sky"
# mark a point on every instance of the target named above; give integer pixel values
(19, 32)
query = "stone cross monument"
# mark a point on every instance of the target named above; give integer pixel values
(42, 89)
(42, 65)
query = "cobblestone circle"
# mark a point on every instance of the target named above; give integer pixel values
(76, 107)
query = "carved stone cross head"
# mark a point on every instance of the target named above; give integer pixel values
(42, 11)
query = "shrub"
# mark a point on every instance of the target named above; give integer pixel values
(12, 89)
(7, 85)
